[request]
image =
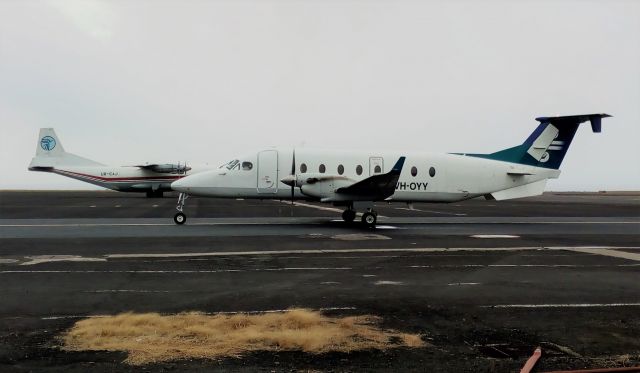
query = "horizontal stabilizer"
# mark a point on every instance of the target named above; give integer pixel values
(595, 119)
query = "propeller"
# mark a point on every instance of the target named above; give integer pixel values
(293, 173)
(291, 179)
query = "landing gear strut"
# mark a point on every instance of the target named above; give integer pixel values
(180, 218)
(154, 194)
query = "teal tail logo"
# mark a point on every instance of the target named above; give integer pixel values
(48, 143)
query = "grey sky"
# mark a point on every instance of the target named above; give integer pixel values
(124, 82)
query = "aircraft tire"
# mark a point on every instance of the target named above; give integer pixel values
(180, 218)
(369, 219)
(348, 216)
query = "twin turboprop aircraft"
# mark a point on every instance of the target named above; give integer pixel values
(152, 179)
(357, 179)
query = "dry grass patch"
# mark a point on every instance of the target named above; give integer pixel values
(151, 337)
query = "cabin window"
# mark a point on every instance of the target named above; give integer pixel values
(340, 169)
(377, 169)
(359, 170)
(432, 172)
(247, 166)
(414, 171)
(303, 168)
(322, 168)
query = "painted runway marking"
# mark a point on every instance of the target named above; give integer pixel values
(610, 252)
(431, 211)
(135, 291)
(342, 251)
(241, 223)
(524, 265)
(38, 259)
(564, 305)
(59, 317)
(494, 236)
(463, 283)
(395, 283)
(187, 270)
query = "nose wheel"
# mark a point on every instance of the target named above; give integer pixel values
(180, 218)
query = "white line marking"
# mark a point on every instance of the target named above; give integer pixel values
(565, 305)
(431, 211)
(186, 271)
(463, 283)
(38, 259)
(322, 208)
(342, 251)
(494, 236)
(135, 291)
(609, 252)
(72, 225)
(396, 283)
(8, 261)
(525, 265)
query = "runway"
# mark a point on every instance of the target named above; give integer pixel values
(485, 282)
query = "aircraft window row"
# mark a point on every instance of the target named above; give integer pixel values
(322, 169)
(414, 171)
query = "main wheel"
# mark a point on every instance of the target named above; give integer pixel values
(180, 218)
(348, 216)
(369, 219)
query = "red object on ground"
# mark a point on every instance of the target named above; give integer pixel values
(532, 361)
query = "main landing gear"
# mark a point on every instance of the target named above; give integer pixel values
(154, 194)
(369, 218)
(180, 218)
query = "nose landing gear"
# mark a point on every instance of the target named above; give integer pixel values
(180, 218)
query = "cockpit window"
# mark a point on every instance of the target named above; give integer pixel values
(247, 166)
(231, 165)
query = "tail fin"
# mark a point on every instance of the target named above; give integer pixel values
(50, 153)
(548, 144)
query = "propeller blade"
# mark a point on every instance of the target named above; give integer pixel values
(293, 173)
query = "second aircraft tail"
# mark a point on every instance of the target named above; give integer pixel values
(50, 153)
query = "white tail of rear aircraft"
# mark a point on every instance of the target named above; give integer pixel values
(50, 154)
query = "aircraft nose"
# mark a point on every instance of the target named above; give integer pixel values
(181, 185)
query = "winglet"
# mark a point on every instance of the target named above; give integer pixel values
(397, 168)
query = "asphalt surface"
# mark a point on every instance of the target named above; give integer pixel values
(484, 282)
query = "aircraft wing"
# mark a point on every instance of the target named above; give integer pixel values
(376, 187)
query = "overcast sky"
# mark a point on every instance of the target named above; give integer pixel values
(124, 82)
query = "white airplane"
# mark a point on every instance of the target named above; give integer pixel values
(154, 179)
(357, 179)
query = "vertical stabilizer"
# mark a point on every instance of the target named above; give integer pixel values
(548, 144)
(50, 153)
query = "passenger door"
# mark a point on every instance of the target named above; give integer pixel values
(268, 172)
(376, 165)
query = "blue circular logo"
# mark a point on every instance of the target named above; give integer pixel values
(48, 143)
